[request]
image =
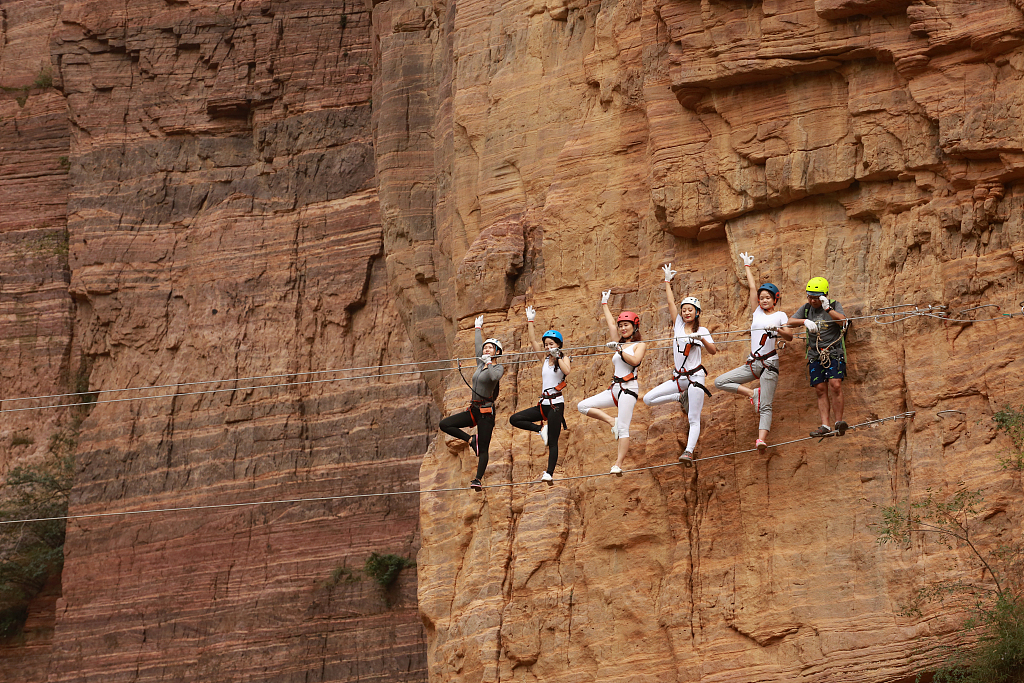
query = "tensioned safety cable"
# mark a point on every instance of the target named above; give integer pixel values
(92, 515)
(906, 315)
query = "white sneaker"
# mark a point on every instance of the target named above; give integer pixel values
(615, 432)
(544, 435)
(755, 401)
(547, 478)
(616, 470)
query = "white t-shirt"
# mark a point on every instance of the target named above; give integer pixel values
(679, 345)
(622, 368)
(551, 376)
(761, 322)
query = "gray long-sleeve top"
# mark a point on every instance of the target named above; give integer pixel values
(485, 378)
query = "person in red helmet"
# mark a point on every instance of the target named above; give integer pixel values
(763, 361)
(624, 391)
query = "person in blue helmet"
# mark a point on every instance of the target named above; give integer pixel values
(763, 361)
(550, 410)
(687, 385)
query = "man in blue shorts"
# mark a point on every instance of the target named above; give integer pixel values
(826, 352)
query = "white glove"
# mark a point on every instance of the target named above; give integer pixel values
(669, 273)
(811, 326)
(748, 260)
(614, 345)
(531, 313)
(555, 353)
(824, 302)
(486, 358)
(605, 296)
(771, 330)
(695, 339)
(479, 322)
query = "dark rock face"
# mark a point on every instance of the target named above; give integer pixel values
(223, 222)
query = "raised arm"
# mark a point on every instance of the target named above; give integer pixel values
(531, 313)
(748, 260)
(608, 317)
(669, 274)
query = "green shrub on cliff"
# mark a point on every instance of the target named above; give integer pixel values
(1011, 421)
(33, 552)
(994, 627)
(384, 568)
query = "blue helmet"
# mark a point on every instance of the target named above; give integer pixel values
(553, 334)
(771, 289)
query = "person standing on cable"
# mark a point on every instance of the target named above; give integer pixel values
(688, 379)
(550, 410)
(763, 361)
(485, 387)
(826, 352)
(624, 391)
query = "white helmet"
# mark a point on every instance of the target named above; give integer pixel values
(497, 345)
(692, 300)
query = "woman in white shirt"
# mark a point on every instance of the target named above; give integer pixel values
(624, 391)
(763, 361)
(688, 379)
(549, 411)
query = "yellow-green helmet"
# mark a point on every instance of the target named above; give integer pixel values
(817, 286)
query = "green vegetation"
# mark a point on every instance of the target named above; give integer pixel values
(44, 79)
(341, 575)
(1011, 421)
(33, 552)
(64, 163)
(384, 569)
(994, 603)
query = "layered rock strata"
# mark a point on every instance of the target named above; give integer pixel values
(540, 152)
(223, 223)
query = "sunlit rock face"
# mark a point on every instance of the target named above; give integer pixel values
(537, 153)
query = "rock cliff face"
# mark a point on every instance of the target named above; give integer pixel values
(213, 165)
(539, 152)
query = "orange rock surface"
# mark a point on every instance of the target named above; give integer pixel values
(874, 143)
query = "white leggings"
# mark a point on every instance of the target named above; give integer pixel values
(666, 392)
(604, 400)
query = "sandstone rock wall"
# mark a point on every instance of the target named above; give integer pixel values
(538, 152)
(223, 222)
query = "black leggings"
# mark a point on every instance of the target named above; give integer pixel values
(484, 426)
(527, 419)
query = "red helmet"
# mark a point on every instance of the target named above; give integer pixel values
(629, 316)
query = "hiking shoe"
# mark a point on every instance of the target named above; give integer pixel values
(544, 433)
(472, 446)
(547, 478)
(686, 458)
(761, 446)
(823, 430)
(841, 427)
(615, 432)
(476, 485)
(684, 400)
(616, 470)
(755, 401)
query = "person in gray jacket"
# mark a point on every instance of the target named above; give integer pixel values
(486, 384)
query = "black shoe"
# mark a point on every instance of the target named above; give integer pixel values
(472, 445)
(476, 485)
(821, 431)
(841, 427)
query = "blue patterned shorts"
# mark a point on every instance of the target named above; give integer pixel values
(835, 370)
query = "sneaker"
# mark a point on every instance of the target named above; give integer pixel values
(686, 458)
(761, 446)
(823, 430)
(547, 478)
(472, 445)
(616, 470)
(615, 432)
(544, 433)
(684, 400)
(476, 485)
(841, 427)
(755, 401)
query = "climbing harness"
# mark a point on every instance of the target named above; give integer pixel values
(549, 395)
(681, 372)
